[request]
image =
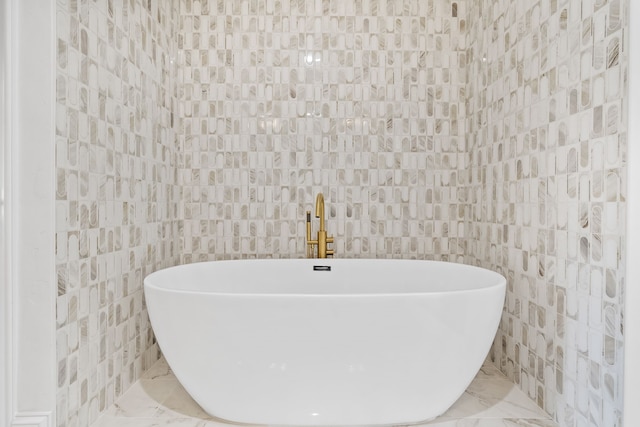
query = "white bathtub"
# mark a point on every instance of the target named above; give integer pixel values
(370, 342)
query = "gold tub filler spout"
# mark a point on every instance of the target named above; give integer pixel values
(322, 240)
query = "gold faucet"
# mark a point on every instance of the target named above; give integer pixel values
(322, 240)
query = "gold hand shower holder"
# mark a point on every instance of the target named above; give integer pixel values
(322, 240)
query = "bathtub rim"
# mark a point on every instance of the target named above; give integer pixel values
(492, 280)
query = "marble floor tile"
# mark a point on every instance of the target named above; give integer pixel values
(143, 399)
(158, 400)
(494, 398)
(180, 404)
(109, 421)
(491, 422)
(160, 370)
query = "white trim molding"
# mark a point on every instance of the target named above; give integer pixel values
(5, 225)
(631, 413)
(34, 419)
(28, 137)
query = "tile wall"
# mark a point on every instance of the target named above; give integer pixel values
(362, 100)
(117, 195)
(196, 130)
(545, 186)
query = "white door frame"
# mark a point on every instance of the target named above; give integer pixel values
(5, 296)
(632, 301)
(28, 250)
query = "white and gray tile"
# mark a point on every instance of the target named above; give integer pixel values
(490, 132)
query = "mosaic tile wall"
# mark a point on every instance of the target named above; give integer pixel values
(362, 100)
(117, 194)
(546, 188)
(497, 140)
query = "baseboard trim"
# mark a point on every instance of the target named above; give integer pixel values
(33, 419)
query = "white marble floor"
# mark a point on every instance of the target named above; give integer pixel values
(158, 400)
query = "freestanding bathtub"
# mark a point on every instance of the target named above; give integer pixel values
(325, 342)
